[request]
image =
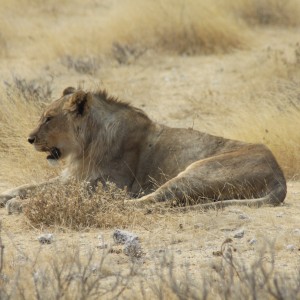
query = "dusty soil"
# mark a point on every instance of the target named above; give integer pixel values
(203, 92)
(192, 239)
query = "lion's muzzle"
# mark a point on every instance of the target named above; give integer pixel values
(31, 139)
(55, 154)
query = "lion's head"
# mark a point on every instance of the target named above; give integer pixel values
(58, 125)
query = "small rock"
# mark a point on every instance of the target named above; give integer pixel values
(227, 229)
(291, 247)
(115, 250)
(133, 249)
(217, 253)
(123, 237)
(46, 238)
(132, 246)
(235, 211)
(197, 226)
(243, 217)
(239, 234)
(253, 241)
(296, 231)
(280, 215)
(102, 246)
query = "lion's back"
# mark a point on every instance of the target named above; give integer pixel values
(175, 149)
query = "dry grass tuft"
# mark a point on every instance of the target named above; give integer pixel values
(270, 113)
(94, 274)
(173, 26)
(82, 65)
(266, 12)
(75, 205)
(64, 275)
(21, 103)
(277, 131)
(37, 91)
(181, 27)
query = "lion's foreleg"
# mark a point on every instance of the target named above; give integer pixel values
(24, 190)
(177, 189)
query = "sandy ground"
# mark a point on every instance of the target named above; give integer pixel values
(166, 88)
(179, 91)
(191, 239)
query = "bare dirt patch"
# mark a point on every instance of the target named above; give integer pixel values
(248, 90)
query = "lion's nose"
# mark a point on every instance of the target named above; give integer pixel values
(31, 139)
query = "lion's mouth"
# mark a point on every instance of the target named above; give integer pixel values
(55, 154)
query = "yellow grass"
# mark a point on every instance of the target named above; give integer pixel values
(73, 206)
(18, 116)
(182, 27)
(176, 26)
(266, 12)
(246, 87)
(278, 133)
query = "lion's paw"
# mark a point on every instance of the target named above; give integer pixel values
(15, 205)
(4, 197)
(141, 202)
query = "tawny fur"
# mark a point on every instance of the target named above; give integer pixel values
(102, 139)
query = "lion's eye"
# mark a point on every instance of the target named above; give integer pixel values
(48, 119)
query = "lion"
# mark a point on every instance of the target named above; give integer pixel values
(102, 139)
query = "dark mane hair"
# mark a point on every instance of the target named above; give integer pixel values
(103, 96)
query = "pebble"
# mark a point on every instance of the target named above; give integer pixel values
(291, 247)
(123, 237)
(130, 241)
(239, 234)
(253, 241)
(133, 249)
(296, 231)
(46, 238)
(102, 244)
(235, 211)
(197, 226)
(243, 217)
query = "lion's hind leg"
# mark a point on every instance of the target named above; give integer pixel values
(247, 176)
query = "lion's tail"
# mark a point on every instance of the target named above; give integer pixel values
(275, 197)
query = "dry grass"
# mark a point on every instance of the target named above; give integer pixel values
(22, 102)
(89, 275)
(277, 131)
(256, 100)
(173, 26)
(75, 206)
(271, 112)
(181, 27)
(66, 275)
(266, 12)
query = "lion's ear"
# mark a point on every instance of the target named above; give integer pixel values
(79, 103)
(69, 90)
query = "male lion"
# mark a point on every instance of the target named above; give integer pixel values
(103, 139)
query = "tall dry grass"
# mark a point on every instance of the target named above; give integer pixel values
(173, 26)
(126, 26)
(92, 274)
(181, 27)
(275, 129)
(269, 112)
(75, 206)
(265, 12)
(22, 102)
